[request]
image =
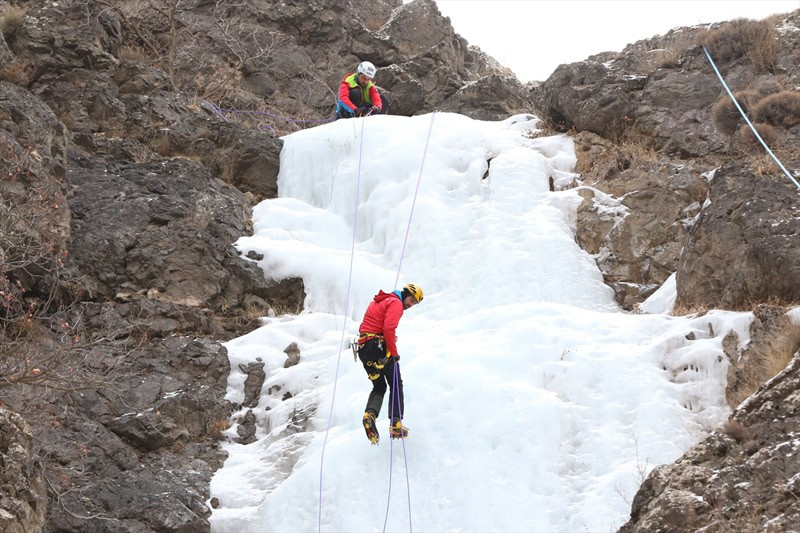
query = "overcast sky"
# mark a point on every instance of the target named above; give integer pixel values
(533, 37)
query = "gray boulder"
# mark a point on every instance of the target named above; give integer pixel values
(743, 247)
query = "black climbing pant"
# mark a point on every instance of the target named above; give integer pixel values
(355, 97)
(372, 353)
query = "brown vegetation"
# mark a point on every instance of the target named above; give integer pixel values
(10, 19)
(725, 115)
(170, 34)
(747, 140)
(737, 431)
(41, 341)
(744, 38)
(767, 356)
(780, 109)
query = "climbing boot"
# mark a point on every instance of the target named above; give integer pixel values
(369, 426)
(398, 430)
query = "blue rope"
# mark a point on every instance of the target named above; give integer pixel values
(741, 111)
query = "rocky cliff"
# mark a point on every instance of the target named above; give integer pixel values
(135, 138)
(674, 181)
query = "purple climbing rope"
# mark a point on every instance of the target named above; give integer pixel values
(396, 404)
(395, 388)
(414, 201)
(221, 112)
(344, 328)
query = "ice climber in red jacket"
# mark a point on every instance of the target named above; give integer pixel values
(358, 95)
(377, 349)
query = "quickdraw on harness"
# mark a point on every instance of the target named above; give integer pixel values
(362, 339)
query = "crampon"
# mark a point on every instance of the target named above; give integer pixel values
(398, 430)
(371, 429)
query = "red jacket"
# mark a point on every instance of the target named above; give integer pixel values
(369, 94)
(382, 316)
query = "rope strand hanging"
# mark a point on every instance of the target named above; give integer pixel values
(397, 369)
(341, 342)
(344, 327)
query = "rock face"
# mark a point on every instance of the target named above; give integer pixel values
(742, 477)
(673, 182)
(637, 211)
(23, 499)
(132, 152)
(652, 126)
(761, 215)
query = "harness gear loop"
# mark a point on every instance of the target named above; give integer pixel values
(364, 337)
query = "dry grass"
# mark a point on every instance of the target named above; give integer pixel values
(767, 355)
(781, 109)
(216, 428)
(726, 116)
(132, 52)
(223, 84)
(747, 141)
(161, 144)
(627, 155)
(11, 18)
(737, 431)
(688, 310)
(763, 165)
(744, 38)
(669, 57)
(18, 72)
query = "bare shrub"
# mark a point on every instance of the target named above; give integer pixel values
(780, 109)
(737, 431)
(11, 18)
(42, 340)
(726, 116)
(669, 56)
(748, 142)
(744, 38)
(19, 72)
(217, 427)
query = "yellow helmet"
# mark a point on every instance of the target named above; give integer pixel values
(415, 291)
